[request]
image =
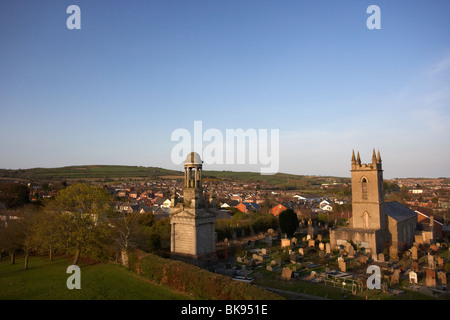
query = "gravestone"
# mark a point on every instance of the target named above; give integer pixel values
(380, 257)
(440, 262)
(431, 278)
(285, 243)
(414, 253)
(413, 277)
(328, 248)
(294, 241)
(374, 256)
(319, 237)
(442, 276)
(268, 240)
(321, 246)
(347, 246)
(395, 277)
(300, 251)
(351, 251)
(311, 243)
(342, 264)
(269, 268)
(393, 252)
(431, 263)
(259, 258)
(286, 274)
(310, 231)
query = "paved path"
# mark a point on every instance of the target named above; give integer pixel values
(296, 295)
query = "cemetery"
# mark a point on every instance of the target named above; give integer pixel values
(307, 261)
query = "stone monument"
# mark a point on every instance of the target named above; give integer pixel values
(192, 224)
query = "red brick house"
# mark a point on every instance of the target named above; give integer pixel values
(242, 207)
(277, 209)
(431, 222)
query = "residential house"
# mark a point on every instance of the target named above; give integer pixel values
(122, 193)
(247, 207)
(160, 213)
(326, 205)
(431, 224)
(277, 209)
(159, 194)
(128, 207)
(230, 204)
(242, 207)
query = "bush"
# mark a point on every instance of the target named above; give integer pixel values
(288, 222)
(197, 282)
(255, 222)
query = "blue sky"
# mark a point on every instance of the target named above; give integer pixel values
(114, 91)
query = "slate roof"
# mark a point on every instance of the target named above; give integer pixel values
(397, 211)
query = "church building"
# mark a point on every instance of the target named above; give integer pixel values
(375, 224)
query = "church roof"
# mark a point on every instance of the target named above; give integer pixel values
(398, 211)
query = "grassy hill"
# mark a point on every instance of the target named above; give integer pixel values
(113, 172)
(46, 280)
(158, 279)
(88, 172)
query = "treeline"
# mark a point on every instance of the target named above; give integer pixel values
(243, 224)
(79, 222)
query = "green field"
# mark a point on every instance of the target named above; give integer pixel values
(45, 280)
(88, 172)
(114, 172)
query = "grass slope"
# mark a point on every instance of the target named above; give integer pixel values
(46, 280)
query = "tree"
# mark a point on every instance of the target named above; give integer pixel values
(81, 211)
(14, 195)
(10, 236)
(46, 232)
(124, 233)
(27, 221)
(288, 222)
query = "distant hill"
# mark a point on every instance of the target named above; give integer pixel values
(88, 172)
(114, 172)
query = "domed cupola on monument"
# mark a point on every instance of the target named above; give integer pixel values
(193, 185)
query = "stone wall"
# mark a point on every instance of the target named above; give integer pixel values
(183, 238)
(357, 236)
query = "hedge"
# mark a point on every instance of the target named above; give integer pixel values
(196, 282)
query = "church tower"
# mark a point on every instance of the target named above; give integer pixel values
(374, 223)
(367, 193)
(369, 222)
